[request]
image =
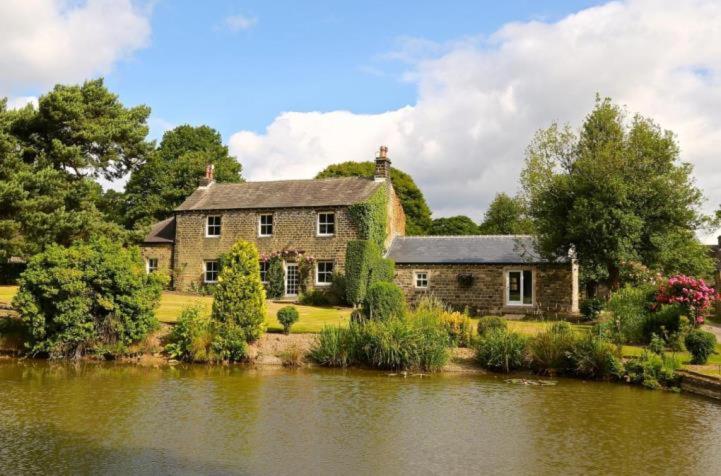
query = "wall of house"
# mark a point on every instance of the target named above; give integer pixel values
(293, 228)
(162, 251)
(396, 217)
(555, 287)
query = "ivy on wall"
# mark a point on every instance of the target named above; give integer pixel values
(365, 265)
(371, 217)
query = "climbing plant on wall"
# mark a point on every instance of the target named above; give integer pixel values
(371, 217)
(276, 274)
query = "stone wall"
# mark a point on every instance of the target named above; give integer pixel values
(163, 252)
(396, 217)
(554, 287)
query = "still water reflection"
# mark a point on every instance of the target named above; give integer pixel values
(114, 419)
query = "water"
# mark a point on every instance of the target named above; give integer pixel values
(116, 419)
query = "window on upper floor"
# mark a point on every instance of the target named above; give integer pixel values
(264, 266)
(326, 224)
(210, 271)
(265, 224)
(324, 273)
(151, 265)
(212, 226)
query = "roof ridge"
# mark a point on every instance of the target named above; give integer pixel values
(354, 177)
(465, 236)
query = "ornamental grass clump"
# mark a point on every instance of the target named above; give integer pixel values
(488, 323)
(500, 350)
(334, 347)
(594, 357)
(548, 352)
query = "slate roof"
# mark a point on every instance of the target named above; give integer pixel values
(476, 249)
(162, 232)
(281, 194)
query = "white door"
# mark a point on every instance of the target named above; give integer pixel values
(292, 279)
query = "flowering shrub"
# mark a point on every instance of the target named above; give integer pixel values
(691, 293)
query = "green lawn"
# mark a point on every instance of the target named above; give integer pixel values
(7, 293)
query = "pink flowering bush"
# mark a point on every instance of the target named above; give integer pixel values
(691, 293)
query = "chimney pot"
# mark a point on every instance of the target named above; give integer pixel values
(383, 164)
(209, 175)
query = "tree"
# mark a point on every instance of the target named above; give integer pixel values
(506, 216)
(239, 296)
(614, 193)
(456, 225)
(174, 171)
(418, 215)
(90, 297)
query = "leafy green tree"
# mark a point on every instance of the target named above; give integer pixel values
(174, 171)
(615, 193)
(456, 225)
(239, 296)
(90, 297)
(418, 215)
(506, 216)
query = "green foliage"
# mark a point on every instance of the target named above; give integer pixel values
(666, 323)
(456, 225)
(457, 325)
(615, 193)
(506, 216)
(338, 292)
(371, 217)
(591, 308)
(418, 215)
(594, 357)
(384, 301)
(287, 316)
(652, 370)
(229, 341)
(489, 323)
(316, 297)
(91, 295)
(548, 352)
(195, 338)
(500, 350)
(239, 296)
(334, 347)
(701, 345)
(276, 278)
(657, 344)
(364, 266)
(629, 308)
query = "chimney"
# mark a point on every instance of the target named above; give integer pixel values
(383, 165)
(209, 178)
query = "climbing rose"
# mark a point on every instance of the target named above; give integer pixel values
(693, 294)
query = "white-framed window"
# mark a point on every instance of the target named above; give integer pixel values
(420, 279)
(324, 273)
(519, 287)
(212, 226)
(265, 224)
(151, 265)
(326, 224)
(264, 266)
(210, 271)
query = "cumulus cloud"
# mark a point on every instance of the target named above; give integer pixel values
(480, 100)
(240, 22)
(43, 42)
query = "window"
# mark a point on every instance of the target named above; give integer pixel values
(211, 272)
(324, 273)
(326, 224)
(421, 279)
(520, 288)
(265, 225)
(264, 265)
(212, 226)
(152, 265)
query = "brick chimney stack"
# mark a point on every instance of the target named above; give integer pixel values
(209, 177)
(383, 165)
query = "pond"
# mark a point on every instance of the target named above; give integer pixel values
(120, 419)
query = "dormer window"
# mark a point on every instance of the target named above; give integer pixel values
(212, 226)
(326, 224)
(265, 224)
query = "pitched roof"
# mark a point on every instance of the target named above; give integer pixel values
(162, 232)
(281, 194)
(475, 249)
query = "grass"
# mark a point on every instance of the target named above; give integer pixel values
(7, 293)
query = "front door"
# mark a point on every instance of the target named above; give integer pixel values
(292, 279)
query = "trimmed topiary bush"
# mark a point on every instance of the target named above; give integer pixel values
(287, 316)
(500, 350)
(239, 296)
(384, 301)
(275, 277)
(488, 323)
(361, 256)
(91, 297)
(701, 345)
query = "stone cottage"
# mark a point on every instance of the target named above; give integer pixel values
(495, 274)
(309, 217)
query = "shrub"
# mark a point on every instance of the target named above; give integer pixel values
(316, 297)
(629, 308)
(664, 322)
(90, 296)
(384, 301)
(287, 316)
(488, 323)
(239, 296)
(338, 291)
(190, 337)
(701, 345)
(591, 308)
(334, 347)
(548, 352)
(458, 327)
(229, 342)
(656, 345)
(652, 370)
(361, 255)
(594, 357)
(275, 277)
(500, 350)
(382, 270)
(691, 293)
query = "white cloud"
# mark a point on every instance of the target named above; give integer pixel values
(481, 99)
(43, 42)
(240, 22)
(19, 102)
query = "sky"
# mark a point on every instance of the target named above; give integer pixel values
(456, 90)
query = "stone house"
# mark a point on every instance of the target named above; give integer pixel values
(496, 274)
(292, 217)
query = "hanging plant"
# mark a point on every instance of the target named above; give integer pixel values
(465, 280)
